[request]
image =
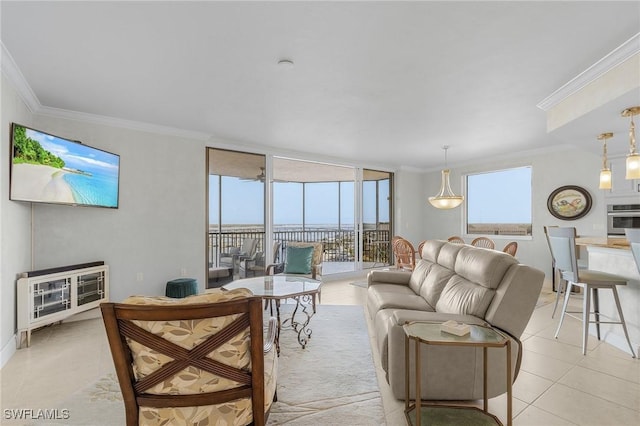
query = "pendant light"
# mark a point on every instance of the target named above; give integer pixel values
(446, 199)
(633, 158)
(605, 173)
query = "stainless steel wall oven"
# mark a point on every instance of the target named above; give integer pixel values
(621, 216)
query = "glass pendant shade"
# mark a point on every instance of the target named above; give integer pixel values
(446, 199)
(605, 173)
(605, 179)
(633, 166)
(633, 159)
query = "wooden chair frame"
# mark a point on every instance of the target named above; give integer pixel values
(118, 320)
(404, 252)
(456, 240)
(484, 242)
(511, 248)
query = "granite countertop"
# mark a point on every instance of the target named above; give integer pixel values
(617, 243)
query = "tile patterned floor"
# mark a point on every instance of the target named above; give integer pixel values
(557, 385)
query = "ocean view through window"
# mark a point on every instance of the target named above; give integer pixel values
(311, 202)
(499, 202)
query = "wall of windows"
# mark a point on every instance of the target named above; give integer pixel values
(278, 200)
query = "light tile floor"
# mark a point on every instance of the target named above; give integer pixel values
(557, 385)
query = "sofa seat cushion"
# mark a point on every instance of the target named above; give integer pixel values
(387, 320)
(383, 296)
(462, 297)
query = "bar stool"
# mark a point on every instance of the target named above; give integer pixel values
(562, 242)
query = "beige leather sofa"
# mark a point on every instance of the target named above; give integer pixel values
(460, 282)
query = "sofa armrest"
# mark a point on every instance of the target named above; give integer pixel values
(389, 277)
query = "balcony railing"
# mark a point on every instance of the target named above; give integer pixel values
(338, 245)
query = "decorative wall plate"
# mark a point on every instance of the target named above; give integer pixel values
(569, 202)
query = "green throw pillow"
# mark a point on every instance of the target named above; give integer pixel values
(298, 260)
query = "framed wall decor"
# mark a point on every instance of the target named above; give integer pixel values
(569, 202)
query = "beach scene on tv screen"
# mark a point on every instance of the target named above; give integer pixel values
(50, 169)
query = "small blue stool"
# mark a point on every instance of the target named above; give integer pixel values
(181, 287)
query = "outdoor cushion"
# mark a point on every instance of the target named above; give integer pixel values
(298, 260)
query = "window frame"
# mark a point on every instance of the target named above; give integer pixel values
(501, 237)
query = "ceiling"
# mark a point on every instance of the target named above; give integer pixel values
(375, 83)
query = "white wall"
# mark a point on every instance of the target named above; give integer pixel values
(159, 227)
(550, 170)
(15, 222)
(409, 206)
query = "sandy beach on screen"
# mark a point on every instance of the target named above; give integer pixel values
(33, 182)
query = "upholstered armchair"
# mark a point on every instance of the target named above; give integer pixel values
(303, 258)
(197, 360)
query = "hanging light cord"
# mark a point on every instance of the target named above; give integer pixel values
(632, 137)
(445, 147)
(604, 154)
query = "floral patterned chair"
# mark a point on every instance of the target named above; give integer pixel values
(197, 360)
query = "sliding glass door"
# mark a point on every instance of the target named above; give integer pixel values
(376, 218)
(315, 202)
(236, 213)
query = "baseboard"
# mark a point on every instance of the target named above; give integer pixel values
(7, 351)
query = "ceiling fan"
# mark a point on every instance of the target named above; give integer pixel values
(260, 177)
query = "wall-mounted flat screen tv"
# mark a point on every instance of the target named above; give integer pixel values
(49, 169)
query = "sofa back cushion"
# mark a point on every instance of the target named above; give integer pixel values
(463, 297)
(431, 249)
(482, 266)
(418, 274)
(434, 283)
(448, 254)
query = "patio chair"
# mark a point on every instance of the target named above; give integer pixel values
(201, 359)
(300, 262)
(312, 269)
(257, 265)
(235, 255)
(404, 253)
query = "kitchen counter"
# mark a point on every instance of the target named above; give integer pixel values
(615, 243)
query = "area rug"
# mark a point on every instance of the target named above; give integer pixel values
(332, 381)
(363, 284)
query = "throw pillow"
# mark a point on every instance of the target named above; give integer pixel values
(298, 260)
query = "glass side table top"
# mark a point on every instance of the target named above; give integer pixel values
(277, 286)
(429, 332)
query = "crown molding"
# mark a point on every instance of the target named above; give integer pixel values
(121, 123)
(15, 77)
(17, 80)
(623, 52)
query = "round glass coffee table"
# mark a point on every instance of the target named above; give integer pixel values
(277, 288)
